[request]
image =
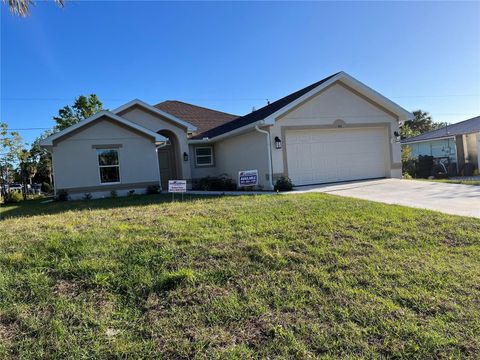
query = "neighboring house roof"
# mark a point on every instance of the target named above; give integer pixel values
(273, 110)
(49, 140)
(204, 119)
(463, 127)
(136, 102)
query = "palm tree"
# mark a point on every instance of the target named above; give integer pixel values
(22, 7)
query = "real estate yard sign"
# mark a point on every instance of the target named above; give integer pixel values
(248, 178)
(177, 186)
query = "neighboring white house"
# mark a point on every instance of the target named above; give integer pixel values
(459, 142)
(336, 129)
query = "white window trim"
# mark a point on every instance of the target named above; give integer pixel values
(102, 166)
(203, 156)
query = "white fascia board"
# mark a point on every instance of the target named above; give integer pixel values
(138, 102)
(49, 140)
(238, 131)
(429, 140)
(353, 83)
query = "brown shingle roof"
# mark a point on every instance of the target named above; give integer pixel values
(204, 119)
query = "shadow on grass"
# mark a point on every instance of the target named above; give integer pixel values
(47, 206)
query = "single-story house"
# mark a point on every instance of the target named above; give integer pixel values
(337, 129)
(459, 142)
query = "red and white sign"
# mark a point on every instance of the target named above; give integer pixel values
(177, 186)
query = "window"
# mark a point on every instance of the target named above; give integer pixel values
(204, 156)
(109, 166)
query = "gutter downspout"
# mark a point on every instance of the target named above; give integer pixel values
(269, 147)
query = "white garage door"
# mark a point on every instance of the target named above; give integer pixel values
(321, 156)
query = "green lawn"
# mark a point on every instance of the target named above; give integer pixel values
(464, 182)
(281, 276)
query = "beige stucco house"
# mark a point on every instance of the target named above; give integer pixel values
(336, 129)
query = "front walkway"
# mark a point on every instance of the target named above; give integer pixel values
(453, 199)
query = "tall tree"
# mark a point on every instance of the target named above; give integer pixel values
(11, 145)
(42, 158)
(22, 7)
(421, 123)
(82, 108)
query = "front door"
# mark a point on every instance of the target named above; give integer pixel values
(168, 165)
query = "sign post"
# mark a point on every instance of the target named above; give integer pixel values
(177, 186)
(248, 178)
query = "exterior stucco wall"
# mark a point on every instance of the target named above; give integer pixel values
(75, 161)
(157, 123)
(328, 107)
(247, 151)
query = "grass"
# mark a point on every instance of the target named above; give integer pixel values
(294, 276)
(464, 182)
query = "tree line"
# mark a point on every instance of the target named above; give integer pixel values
(23, 163)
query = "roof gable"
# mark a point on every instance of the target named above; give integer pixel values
(115, 118)
(204, 119)
(139, 103)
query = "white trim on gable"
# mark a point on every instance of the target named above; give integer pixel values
(138, 102)
(342, 76)
(49, 140)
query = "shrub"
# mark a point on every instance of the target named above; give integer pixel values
(283, 184)
(409, 164)
(113, 194)
(62, 195)
(153, 189)
(221, 183)
(14, 197)
(36, 197)
(46, 188)
(87, 196)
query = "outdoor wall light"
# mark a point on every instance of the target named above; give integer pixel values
(278, 143)
(397, 136)
(185, 156)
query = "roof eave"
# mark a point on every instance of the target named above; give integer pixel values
(234, 132)
(406, 141)
(138, 102)
(48, 142)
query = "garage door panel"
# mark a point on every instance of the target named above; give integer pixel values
(316, 156)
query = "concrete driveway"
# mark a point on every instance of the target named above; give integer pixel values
(453, 199)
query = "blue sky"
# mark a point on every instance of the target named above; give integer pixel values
(233, 56)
